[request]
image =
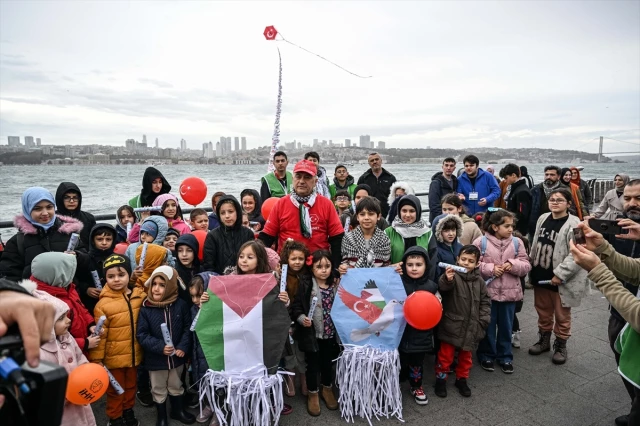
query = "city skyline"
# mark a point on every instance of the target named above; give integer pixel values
(457, 74)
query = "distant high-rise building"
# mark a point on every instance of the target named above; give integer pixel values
(299, 145)
(228, 150)
(183, 145)
(315, 142)
(219, 149)
(144, 139)
(157, 146)
(14, 140)
(243, 142)
(347, 143)
(207, 150)
(38, 142)
(365, 141)
(130, 145)
(381, 145)
(372, 144)
(236, 141)
(28, 141)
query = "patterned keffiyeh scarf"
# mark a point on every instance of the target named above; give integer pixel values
(410, 230)
(304, 204)
(354, 249)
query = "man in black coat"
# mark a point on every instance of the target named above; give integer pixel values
(379, 180)
(517, 197)
(442, 183)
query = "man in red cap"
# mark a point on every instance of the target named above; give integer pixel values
(305, 216)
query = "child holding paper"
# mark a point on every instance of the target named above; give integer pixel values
(163, 332)
(102, 242)
(118, 349)
(315, 333)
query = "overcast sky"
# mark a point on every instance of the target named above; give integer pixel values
(456, 74)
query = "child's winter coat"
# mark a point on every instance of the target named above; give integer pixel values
(505, 288)
(162, 227)
(447, 253)
(65, 352)
(186, 274)
(118, 347)
(414, 340)
(170, 310)
(307, 336)
(96, 259)
(466, 309)
(177, 224)
(53, 272)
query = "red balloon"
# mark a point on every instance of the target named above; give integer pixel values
(193, 190)
(267, 205)
(422, 310)
(200, 236)
(87, 383)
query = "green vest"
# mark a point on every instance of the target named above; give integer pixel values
(333, 190)
(275, 187)
(397, 243)
(628, 346)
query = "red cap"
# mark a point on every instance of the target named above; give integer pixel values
(305, 166)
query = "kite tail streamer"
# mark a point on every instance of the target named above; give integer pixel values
(275, 140)
(368, 381)
(253, 397)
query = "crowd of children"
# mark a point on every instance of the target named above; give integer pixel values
(153, 269)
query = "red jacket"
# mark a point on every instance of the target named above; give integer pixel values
(80, 317)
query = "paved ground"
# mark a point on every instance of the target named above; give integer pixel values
(587, 390)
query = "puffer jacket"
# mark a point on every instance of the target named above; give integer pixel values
(414, 340)
(574, 279)
(447, 253)
(67, 349)
(149, 333)
(466, 306)
(198, 360)
(505, 288)
(222, 244)
(31, 241)
(118, 348)
(87, 219)
(163, 227)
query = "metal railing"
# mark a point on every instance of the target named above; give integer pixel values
(598, 187)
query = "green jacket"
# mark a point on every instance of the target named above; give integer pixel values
(628, 346)
(275, 187)
(349, 186)
(425, 241)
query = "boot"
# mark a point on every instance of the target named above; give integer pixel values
(543, 345)
(441, 388)
(559, 351)
(178, 413)
(313, 403)
(161, 418)
(329, 398)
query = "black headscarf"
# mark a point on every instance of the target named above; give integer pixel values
(256, 214)
(562, 172)
(147, 196)
(87, 219)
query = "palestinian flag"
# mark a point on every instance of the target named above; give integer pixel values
(243, 324)
(372, 294)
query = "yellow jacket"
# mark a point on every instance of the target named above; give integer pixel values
(118, 347)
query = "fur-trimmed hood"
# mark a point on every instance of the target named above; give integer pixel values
(64, 225)
(404, 185)
(439, 222)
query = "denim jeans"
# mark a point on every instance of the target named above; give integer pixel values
(496, 345)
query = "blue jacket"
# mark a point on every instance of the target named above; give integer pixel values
(149, 334)
(486, 187)
(198, 360)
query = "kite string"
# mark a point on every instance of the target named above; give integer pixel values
(323, 58)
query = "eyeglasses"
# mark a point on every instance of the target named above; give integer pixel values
(342, 198)
(71, 199)
(557, 200)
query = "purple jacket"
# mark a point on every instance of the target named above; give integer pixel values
(506, 288)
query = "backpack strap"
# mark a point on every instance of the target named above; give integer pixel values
(483, 245)
(516, 243)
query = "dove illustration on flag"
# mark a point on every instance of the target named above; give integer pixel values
(367, 313)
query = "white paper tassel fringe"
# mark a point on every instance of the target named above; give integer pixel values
(368, 380)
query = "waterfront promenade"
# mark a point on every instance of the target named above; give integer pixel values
(587, 390)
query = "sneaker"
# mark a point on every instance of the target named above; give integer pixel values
(207, 412)
(463, 388)
(419, 396)
(117, 422)
(144, 397)
(130, 418)
(487, 365)
(441, 388)
(507, 368)
(515, 339)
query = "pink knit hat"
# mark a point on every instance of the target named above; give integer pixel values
(274, 259)
(160, 199)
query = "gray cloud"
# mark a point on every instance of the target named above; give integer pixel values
(158, 83)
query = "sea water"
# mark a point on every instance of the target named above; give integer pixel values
(107, 187)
